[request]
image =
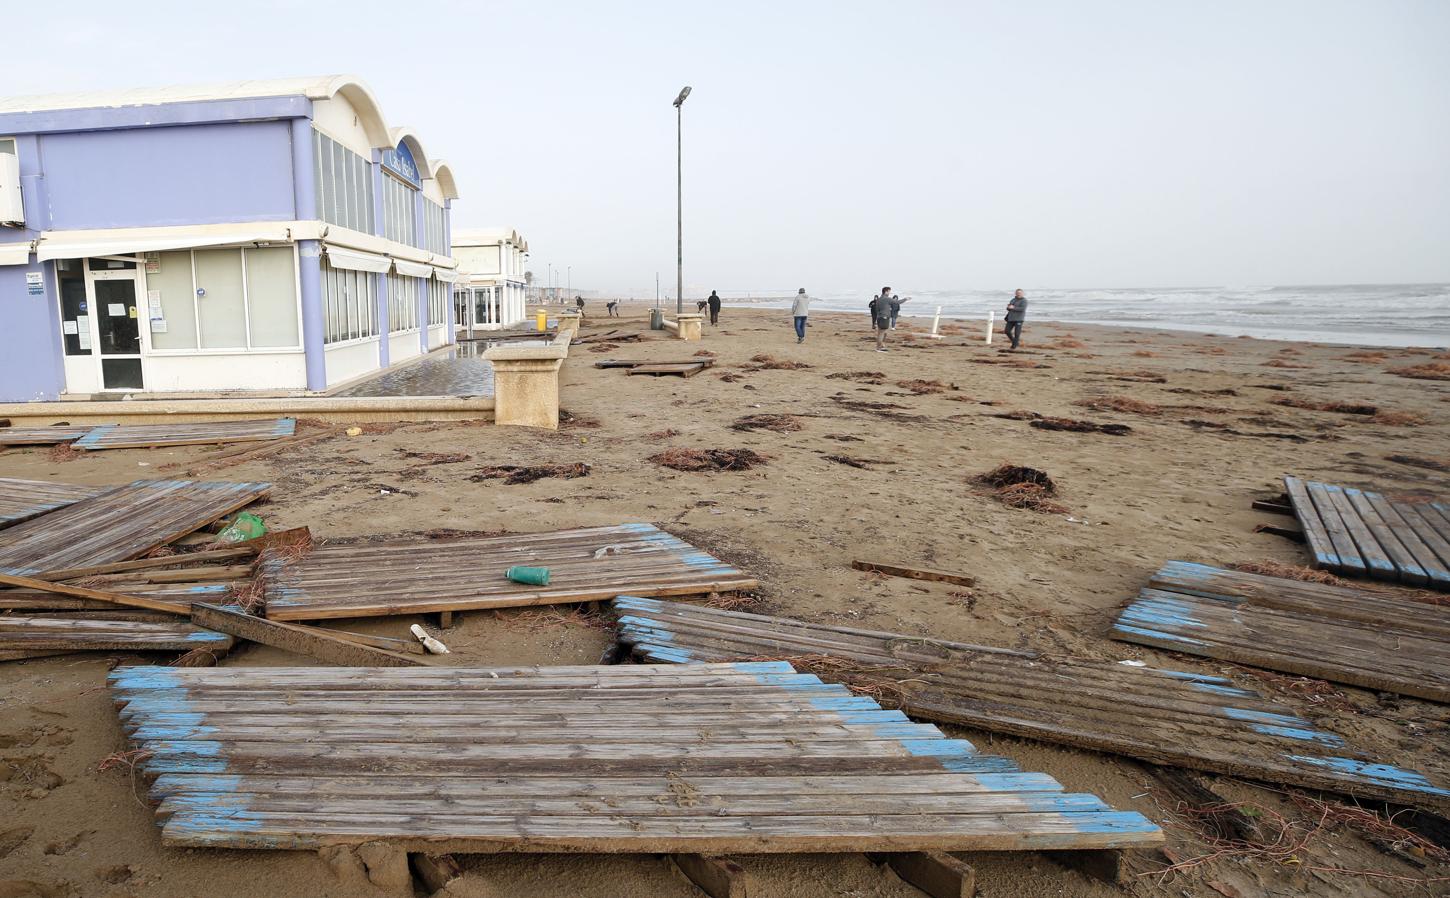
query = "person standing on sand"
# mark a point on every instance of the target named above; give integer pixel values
(800, 307)
(896, 308)
(1016, 314)
(881, 317)
(714, 302)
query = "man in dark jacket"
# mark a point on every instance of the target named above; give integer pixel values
(714, 302)
(880, 308)
(1016, 314)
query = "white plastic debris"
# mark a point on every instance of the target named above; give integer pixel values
(1133, 663)
(432, 645)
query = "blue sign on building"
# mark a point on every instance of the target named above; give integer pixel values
(400, 162)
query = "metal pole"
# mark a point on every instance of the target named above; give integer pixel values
(679, 211)
(569, 281)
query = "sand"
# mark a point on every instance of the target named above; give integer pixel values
(1176, 486)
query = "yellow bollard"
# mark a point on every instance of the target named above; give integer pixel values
(541, 320)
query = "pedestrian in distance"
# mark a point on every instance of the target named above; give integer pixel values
(714, 303)
(612, 307)
(1016, 314)
(881, 317)
(700, 306)
(579, 304)
(800, 307)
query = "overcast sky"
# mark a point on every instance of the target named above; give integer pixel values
(844, 145)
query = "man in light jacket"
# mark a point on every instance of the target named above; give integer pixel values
(1016, 314)
(799, 309)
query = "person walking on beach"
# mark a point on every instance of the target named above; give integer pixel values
(800, 307)
(714, 302)
(881, 317)
(1016, 314)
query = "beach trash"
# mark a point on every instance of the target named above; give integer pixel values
(532, 576)
(541, 321)
(244, 526)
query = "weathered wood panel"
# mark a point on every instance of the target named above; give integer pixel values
(1181, 718)
(137, 436)
(19, 633)
(1361, 533)
(700, 759)
(119, 524)
(21, 500)
(43, 436)
(430, 575)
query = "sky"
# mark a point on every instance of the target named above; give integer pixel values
(843, 145)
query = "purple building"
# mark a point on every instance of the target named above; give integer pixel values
(262, 235)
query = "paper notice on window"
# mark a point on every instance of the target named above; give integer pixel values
(158, 325)
(131, 311)
(153, 298)
(68, 327)
(83, 327)
(115, 309)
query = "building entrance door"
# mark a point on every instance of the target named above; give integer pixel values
(115, 323)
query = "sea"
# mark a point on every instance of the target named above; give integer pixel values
(1359, 314)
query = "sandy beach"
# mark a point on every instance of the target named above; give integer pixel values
(881, 466)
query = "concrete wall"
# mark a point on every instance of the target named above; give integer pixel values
(146, 177)
(346, 362)
(234, 371)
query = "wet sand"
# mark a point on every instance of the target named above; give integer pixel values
(1177, 486)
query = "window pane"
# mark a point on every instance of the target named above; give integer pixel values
(272, 296)
(178, 302)
(222, 309)
(74, 311)
(325, 188)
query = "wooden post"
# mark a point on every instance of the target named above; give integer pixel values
(1104, 866)
(435, 871)
(717, 877)
(320, 644)
(936, 873)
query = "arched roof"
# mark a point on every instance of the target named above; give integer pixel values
(405, 135)
(444, 174)
(489, 237)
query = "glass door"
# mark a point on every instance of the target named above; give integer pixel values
(117, 323)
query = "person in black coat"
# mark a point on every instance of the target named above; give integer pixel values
(714, 303)
(1016, 314)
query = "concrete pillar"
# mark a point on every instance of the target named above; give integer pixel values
(689, 323)
(569, 323)
(526, 384)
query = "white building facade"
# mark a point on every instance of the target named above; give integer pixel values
(490, 292)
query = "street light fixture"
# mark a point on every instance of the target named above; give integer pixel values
(679, 204)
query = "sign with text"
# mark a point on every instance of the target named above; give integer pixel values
(399, 161)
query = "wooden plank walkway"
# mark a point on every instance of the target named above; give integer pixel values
(182, 595)
(708, 758)
(1358, 533)
(1344, 635)
(1169, 717)
(43, 436)
(94, 635)
(121, 523)
(136, 436)
(429, 575)
(21, 500)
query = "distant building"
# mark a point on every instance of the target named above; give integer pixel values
(255, 235)
(490, 292)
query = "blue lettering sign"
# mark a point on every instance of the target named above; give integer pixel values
(400, 162)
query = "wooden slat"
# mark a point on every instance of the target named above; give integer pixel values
(596, 759)
(21, 500)
(1407, 568)
(1376, 559)
(120, 524)
(911, 573)
(1437, 574)
(935, 873)
(19, 633)
(325, 645)
(1315, 533)
(717, 877)
(43, 436)
(1193, 720)
(95, 595)
(1343, 651)
(134, 436)
(423, 575)
(1350, 562)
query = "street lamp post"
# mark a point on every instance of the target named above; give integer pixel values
(680, 203)
(569, 281)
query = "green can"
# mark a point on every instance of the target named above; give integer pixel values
(532, 576)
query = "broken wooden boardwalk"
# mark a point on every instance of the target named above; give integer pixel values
(427, 575)
(21, 500)
(121, 523)
(60, 635)
(707, 758)
(43, 436)
(1161, 716)
(1358, 533)
(1311, 629)
(136, 436)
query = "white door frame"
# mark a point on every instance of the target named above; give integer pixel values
(135, 275)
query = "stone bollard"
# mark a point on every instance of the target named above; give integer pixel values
(569, 323)
(689, 323)
(526, 384)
